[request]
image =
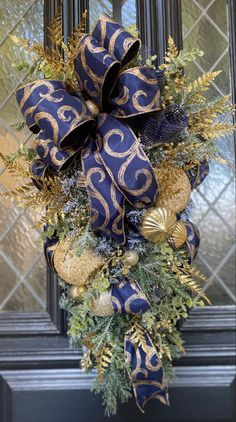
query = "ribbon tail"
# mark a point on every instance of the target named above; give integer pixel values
(125, 162)
(107, 202)
(147, 374)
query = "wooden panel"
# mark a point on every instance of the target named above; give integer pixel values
(64, 395)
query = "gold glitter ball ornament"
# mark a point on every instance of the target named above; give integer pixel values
(130, 258)
(174, 188)
(179, 235)
(93, 108)
(158, 224)
(102, 306)
(74, 269)
(76, 292)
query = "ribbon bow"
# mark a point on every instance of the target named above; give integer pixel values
(115, 166)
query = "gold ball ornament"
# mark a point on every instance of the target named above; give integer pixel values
(74, 269)
(76, 292)
(179, 235)
(93, 108)
(130, 258)
(102, 306)
(158, 224)
(174, 188)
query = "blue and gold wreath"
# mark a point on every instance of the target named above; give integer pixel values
(96, 124)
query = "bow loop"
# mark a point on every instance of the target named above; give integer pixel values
(96, 70)
(138, 93)
(30, 95)
(64, 118)
(115, 39)
(57, 158)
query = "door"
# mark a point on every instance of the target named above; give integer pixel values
(40, 376)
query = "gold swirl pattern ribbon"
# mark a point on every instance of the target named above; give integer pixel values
(147, 375)
(128, 298)
(116, 168)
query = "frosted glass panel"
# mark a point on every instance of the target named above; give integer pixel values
(205, 25)
(22, 265)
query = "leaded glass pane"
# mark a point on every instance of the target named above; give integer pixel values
(23, 269)
(205, 25)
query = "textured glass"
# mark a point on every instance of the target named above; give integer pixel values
(125, 8)
(205, 25)
(23, 269)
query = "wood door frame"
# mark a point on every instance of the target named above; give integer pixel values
(36, 341)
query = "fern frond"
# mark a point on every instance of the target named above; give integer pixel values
(217, 130)
(202, 83)
(15, 168)
(196, 273)
(103, 360)
(76, 36)
(55, 28)
(172, 50)
(185, 277)
(163, 348)
(86, 361)
(137, 335)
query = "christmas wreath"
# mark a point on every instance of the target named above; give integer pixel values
(119, 146)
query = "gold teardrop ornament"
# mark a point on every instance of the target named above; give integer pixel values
(102, 306)
(158, 224)
(179, 235)
(74, 269)
(174, 188)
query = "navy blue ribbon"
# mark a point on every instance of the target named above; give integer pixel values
(193, 240)
(198, 174)
(128, 298)
(147, 375)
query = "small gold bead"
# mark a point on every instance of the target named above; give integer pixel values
(76, 292)
(93, 108)
(130, 258)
